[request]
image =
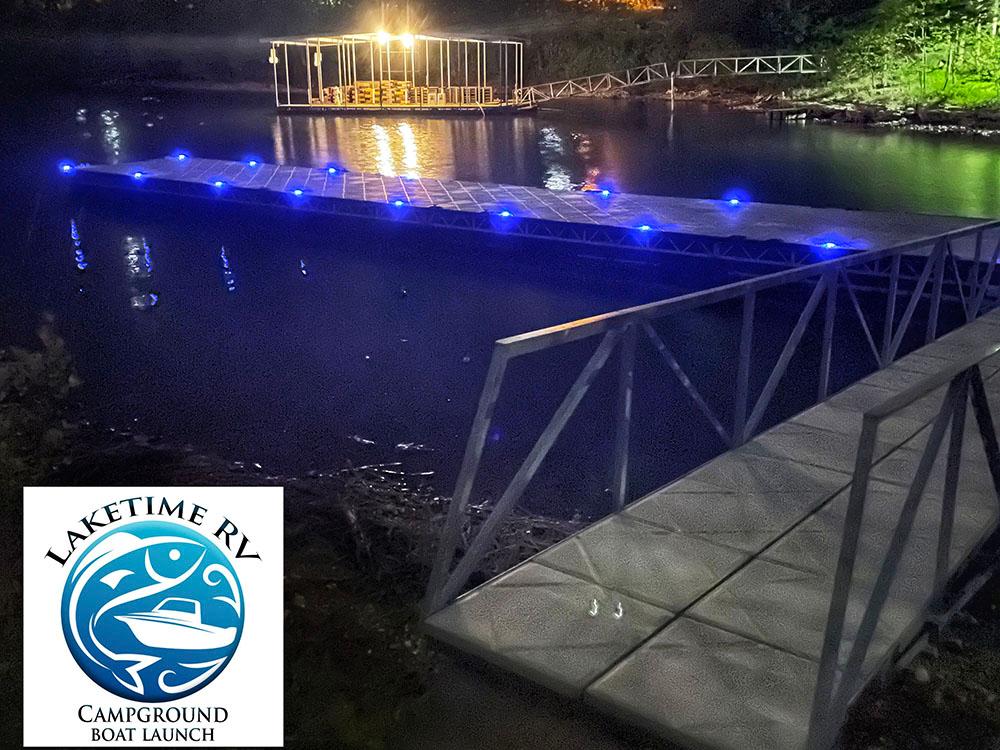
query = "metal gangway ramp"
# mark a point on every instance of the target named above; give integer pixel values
(747, 604)
(752, 65)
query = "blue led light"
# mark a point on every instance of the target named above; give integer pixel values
(505, 214)
(181, 156)
(398, 203)
(331, 170)
(253, 163)
(137, 175)
(298, 192)
(67, 167)
(605, 193)
(218, 184)
(734, 201)
(644, 227)
(829, 245)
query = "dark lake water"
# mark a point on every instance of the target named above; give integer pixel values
(303, 344)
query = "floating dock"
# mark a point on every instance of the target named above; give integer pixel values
(733, 228)
(700, 611)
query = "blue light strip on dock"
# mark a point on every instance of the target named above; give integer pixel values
(765, 233)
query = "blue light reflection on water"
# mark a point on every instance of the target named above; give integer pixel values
(343, 350)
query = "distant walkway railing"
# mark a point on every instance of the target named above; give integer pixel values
(701, 68)
(832, 287)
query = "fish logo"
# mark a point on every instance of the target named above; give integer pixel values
(152, 611)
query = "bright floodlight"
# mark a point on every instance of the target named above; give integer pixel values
(407, 40)
(382, 37)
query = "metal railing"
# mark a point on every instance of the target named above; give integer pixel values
(964, 383)
(643, 74)
(622, 329)
(751, 66)
(595, 84)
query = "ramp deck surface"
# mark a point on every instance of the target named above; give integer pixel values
(698, 612)
(533, 211)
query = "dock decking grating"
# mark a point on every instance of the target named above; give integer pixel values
(765, 233)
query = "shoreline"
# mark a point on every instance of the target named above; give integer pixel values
(915, 119)
(919, 119)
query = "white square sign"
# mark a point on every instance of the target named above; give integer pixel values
(153, 616)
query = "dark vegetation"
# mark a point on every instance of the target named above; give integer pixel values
(358, 673)
(893, 53)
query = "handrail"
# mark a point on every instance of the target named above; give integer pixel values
(739, 65)
(833, 694)
(929, 384)
(569, 331)
(620, 327)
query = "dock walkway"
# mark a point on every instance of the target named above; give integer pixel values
(763, 233)
(699, 611)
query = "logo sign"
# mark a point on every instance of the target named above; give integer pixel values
(153, 616)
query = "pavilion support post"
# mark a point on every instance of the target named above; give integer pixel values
(309, 78)
(288, 84)
(274, 64)
(318, 57)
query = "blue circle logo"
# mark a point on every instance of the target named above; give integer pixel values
(152, 611)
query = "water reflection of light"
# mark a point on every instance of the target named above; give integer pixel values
(384, 162)
(79, 256)
(138, 272)
(111, 135)
(228, 277)
(552, 147)
(409, 150)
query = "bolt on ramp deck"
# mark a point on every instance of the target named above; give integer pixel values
(699, 611)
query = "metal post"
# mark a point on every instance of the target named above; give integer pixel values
(951, 486)
(466, 476)
(890, 310)
(288, 85)
(479, 546)
(819, 720)
(828, 323)
(987, 428)
(887, 573)
(743, 370)
(318, 58)
(934, 314)
(623, 417)
(274, 56)
(309, 78)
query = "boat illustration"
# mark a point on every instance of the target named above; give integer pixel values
(176, 623)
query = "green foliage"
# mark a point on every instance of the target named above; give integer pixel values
(34, 387)
(943, 52)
